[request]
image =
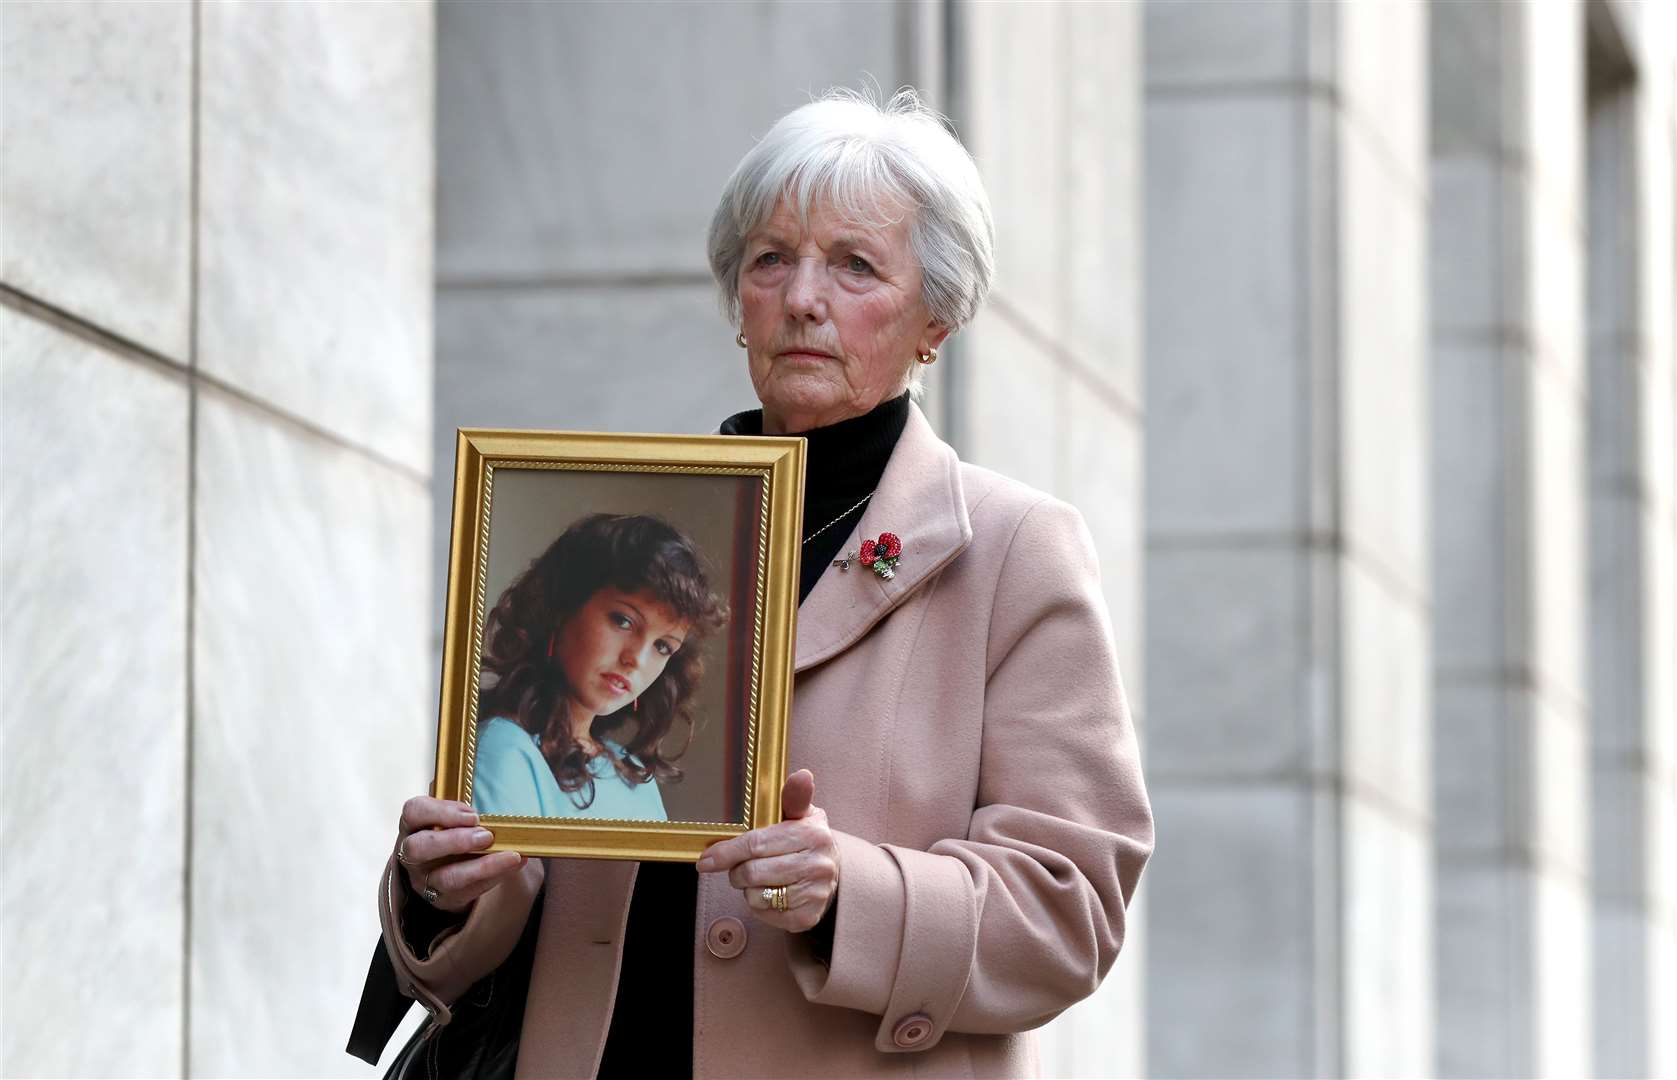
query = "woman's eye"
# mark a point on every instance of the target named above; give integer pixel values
(620, 620)
(858, 265)
(769, 258)
(664, 648)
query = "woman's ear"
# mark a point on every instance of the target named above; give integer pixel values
(933, 337)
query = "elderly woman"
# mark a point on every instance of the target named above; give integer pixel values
(967, 822)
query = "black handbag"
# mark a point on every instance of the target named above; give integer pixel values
(480, 1041)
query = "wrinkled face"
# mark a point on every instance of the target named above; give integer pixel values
(832, 314)
(615, 646)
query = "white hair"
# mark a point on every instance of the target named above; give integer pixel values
(861, 157)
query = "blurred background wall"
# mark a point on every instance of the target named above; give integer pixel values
(1349, 328)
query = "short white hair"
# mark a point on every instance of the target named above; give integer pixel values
(859, 156)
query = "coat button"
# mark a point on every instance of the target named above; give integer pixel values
(726, 938)
(911, 1031)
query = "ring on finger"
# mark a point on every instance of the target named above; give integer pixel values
(774, 896)
(402, 855)
(430, 893)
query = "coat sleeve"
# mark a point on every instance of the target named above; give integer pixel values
(1000, 930)
(461, 953)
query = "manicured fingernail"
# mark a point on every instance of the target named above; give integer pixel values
(482, 836)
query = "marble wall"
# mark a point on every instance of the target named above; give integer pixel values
(1633, 545)
(215, 304)
(1288, 631)
(1513, 711)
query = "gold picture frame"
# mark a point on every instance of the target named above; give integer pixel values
(511, 485)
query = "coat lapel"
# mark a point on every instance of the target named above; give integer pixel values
(920, 500)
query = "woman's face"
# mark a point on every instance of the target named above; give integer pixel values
(615, 646)
(832, 314)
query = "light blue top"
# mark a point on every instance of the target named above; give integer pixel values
(513, 778)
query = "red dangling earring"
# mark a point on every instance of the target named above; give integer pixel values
(551, 638)
(637, 705)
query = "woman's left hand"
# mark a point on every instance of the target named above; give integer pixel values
(799, 853)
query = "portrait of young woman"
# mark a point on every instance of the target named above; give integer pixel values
(590, 663)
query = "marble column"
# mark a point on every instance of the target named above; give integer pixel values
(1288, 628)
(1509, 509)
(1633, 543)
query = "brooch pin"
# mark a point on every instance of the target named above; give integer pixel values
(880, 556)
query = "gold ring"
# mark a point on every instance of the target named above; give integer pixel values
(402, 853)
(775, 897)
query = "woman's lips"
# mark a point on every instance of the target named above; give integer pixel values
(617, 683)
(803, 354)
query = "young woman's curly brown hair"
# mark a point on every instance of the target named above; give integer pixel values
(627, 552)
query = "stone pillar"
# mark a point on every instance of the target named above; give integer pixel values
(1287, 570)
(1045, 386)
(1512, 736)
(1633, 542)
(215, 299)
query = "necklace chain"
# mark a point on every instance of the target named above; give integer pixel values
(838, 519)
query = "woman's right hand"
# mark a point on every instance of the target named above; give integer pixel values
(438, 842)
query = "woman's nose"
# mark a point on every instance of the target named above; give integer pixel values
(806, 293)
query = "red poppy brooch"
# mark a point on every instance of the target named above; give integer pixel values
(880, 555)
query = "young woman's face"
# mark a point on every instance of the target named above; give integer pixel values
(615, 646)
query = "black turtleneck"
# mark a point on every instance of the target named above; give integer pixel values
(655, 986)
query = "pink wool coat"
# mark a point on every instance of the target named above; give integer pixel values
(972, 747)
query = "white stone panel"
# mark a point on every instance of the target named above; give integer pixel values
(1553, 276)
(1225, 302)
(1019, 135)
(1381, 63)
(1561, 1019)
(1555, 762)
(315, 197)
(1102, 277)
(1383, 390)
(95, 183)
(1555, 479)
(1011, 393)
(1550, 126)
(587, 139)
(1470, 515)
(1656, 387)
(314, 719)
(1210, 42)
(1100, 474)
(1386, 692)
(93, 659)
(1388, 899)
(1229, 975)
(1226, 635)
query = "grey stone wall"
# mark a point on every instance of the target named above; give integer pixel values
(1289, 586)
(1632, 122)
(215, 301)
(1508, 498)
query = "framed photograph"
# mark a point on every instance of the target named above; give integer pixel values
(617, 659)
